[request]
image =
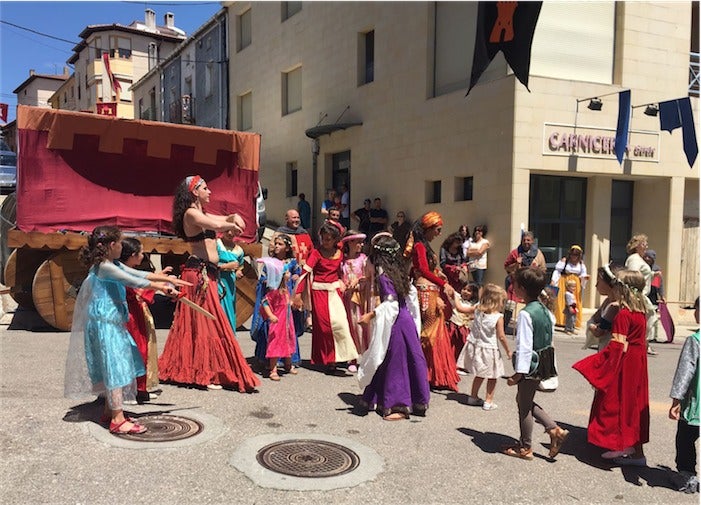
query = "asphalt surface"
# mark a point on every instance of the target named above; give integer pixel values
(54, 452)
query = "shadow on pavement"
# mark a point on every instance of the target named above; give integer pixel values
(488, 442)
(356, 404)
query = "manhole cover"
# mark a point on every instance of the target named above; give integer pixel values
(166, 428)
(308, 458)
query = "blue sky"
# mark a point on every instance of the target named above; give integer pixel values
(21, 50)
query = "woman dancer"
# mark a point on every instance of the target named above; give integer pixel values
(356, 297)
(393, 370)
(102, 356)
(442, 373)
(231, 268)
(199, 350)
(570, 268)
(331, 337)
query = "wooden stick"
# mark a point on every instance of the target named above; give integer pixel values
(678, 303)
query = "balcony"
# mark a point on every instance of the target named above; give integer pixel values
(694, 74)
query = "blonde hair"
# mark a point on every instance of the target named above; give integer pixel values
(492, 299)
(634, 242)
(571, 282)
(627, 290)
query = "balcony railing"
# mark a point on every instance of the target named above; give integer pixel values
(694, 74)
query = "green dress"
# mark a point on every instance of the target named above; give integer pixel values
(227, 286)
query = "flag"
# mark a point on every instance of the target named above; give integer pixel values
(114, 82)
(669, 116)
(507, 27)
(3, 112)
(623, 124)
(677, 113)
(107, 109)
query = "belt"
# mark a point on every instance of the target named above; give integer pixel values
(326, 286)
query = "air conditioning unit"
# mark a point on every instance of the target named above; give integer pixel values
(186, 101)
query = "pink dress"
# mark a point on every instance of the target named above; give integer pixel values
(281, 335)
(357, 300)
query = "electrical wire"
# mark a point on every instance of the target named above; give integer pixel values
(38, 33)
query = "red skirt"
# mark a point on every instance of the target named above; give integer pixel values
(457, 336)
(200, 350)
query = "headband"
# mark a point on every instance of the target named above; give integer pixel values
(382, 234)
(388, 249)
(431, 219)
(338, 225)
(357, 236)
(609, 273)
(575, 248)
(194, 182)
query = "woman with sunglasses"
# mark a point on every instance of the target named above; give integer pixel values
(569, 268)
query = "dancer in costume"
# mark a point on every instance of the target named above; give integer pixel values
(599, 325)
(356, 297)
(331, 337)
(569, 269)
(199, 350)
(140, 325)
(278, 314)
(102, 356)
(620, 414)
(231, 268)
(393, 369)
(429, 282)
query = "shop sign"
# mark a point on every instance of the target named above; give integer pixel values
(587, 142)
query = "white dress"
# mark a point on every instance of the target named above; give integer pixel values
(482, 356)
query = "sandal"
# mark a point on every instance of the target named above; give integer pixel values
(106, 420)
(274, 376)
(292, 370)
(518, 451)
(395, 416)
(136, 429)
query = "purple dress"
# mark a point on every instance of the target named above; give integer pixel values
(400, 383)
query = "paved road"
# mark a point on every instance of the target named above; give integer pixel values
(50, 453)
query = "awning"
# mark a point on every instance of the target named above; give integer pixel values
(327, 129)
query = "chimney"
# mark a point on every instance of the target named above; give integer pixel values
(169, 20)
(66, 71)
(150, 19)
(32, 71)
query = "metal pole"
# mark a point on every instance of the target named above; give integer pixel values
(315, 158)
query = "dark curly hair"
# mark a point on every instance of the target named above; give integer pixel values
(329, 228)
(386, 253)
(182, 201)
(450, 239)
(289, 253)
(98, 241)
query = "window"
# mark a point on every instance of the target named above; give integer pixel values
(97, 47)
(245, 112)
(209, 79)
(243, 28)
(291, 169)
(433, 191)
(125, 94)
(77, 80)
(463, 189)
(289, 9)
(292, 91)
(120, 48)
(557, 214)
(621, 219)
(366, 58)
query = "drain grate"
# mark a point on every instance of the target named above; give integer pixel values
(166, 428)
(308, 458)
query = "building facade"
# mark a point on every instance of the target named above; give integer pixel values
(38, 89)
(373, 94)
(190, 86)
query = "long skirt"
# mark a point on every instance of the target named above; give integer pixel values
(458, 337)
(560, 301)
(200, 350)
(331, 336)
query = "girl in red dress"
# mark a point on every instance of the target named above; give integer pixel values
(620, 415)
(331, 337)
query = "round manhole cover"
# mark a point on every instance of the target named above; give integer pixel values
(308, 458)
(166, 428)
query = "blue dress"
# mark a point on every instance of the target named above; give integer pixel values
(228, 280)
(102, 355)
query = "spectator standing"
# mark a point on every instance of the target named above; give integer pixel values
(526, 255)
(329, 203)
(362, 215)
(378, 218)
(400, 229)
(345, 206)
(476, 254)
(569, 268)
(656, 294)
(305, 211)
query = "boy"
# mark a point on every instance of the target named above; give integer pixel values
(570, 306)
(534, 331)
(685, 410)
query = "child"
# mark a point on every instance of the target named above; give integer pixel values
(356, 297)
(620, 413)
(393, 371)
(276, 306)
(534, 334)
(599, 326)
(230, 268)
(102, 356)
(140, 324)
(570, 309)
(459, 322)
(482, 356)
(331, 337)
(685, 410)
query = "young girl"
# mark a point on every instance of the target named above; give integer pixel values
(356, 297)
(140, 324)
(393, 370)
(620, 414)
(276, 306)
(230, 268)
(482, 356)
(459, 322)
(599, 326)
(571, 308)
(331, 337)
(452, 260)
(102, 356)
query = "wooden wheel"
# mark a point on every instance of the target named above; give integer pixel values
(20, 268)
(56, 286)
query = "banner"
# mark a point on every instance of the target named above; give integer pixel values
(623, 124)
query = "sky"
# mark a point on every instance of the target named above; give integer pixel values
(22, 50)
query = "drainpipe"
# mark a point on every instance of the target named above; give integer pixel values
(315, 164)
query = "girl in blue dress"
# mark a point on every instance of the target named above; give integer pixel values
(230, 268)
(102, 357)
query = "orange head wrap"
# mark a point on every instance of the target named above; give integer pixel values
(431, 219)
